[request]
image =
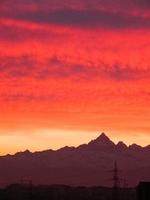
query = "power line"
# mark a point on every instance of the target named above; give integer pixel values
(115, 181)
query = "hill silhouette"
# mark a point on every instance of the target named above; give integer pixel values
(86, 165)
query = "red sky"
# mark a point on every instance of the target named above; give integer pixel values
(71, 69)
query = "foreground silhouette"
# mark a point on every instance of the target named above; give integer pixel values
(61, 192)
(143, 191)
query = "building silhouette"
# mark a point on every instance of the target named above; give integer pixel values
(143, 191)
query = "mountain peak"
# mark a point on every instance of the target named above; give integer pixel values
(135, 147)
(103, 139)
(23, 153)
(121, 146)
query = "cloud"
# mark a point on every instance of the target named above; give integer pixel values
(16, 34)
(12, 31)
(118, 72)
(28, 97)
(109, 14)
(84, 18)
(145, 3)
(17, 66)
(56, 68)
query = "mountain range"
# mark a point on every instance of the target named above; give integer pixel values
(89, 164)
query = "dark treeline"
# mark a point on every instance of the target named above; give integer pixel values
(60, 192)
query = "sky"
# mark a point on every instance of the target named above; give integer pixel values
(71, 69)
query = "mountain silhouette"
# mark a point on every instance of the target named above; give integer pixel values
(102, 140)
(86, 165)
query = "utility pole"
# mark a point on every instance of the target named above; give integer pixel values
(30, 190)
(115, 181)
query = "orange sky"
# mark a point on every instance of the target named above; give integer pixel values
(72, 69)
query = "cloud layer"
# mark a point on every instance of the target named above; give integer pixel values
(79, 65)
(110, 14)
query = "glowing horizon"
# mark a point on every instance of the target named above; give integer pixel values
(57, 139)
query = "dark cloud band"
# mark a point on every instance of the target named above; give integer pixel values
(83, 18)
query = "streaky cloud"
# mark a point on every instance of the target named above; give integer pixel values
(56, 68)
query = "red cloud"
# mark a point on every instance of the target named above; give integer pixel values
(77, 64)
